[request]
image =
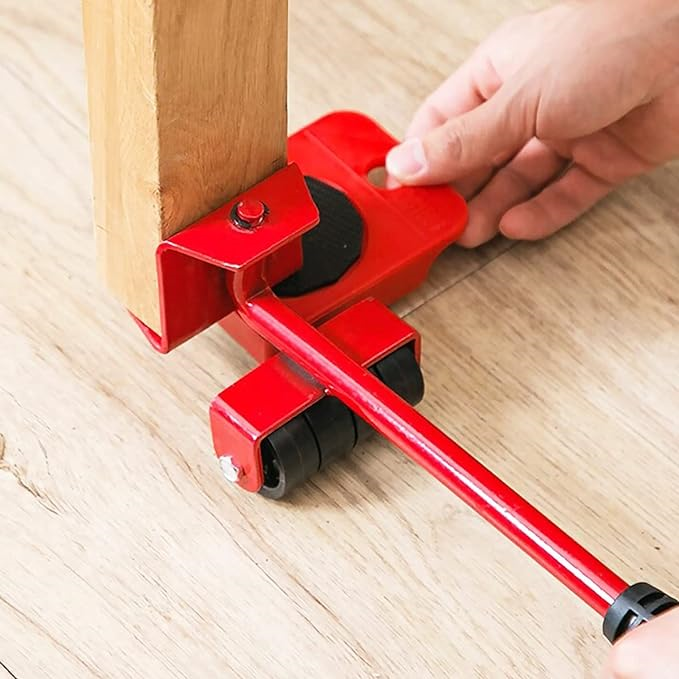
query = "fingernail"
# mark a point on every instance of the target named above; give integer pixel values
(391, 183)
(407, 160)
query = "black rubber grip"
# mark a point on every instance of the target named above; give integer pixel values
(636, 605)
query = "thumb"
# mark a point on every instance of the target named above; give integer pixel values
(463, 144)
(648, 652)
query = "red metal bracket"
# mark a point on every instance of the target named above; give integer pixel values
(193, 265)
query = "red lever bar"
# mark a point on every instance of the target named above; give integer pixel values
(427, 445)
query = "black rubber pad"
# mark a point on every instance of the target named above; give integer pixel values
(331, 247)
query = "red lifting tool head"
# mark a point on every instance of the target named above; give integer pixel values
(338, 248)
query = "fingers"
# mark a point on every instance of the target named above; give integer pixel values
(518, 181)
(468, 87)
(649, 652)
(464, 143)
(556, 206)
(470, 185)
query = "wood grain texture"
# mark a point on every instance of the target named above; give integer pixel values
(123, 554)
(187, 108)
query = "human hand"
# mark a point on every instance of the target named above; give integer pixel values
(551, 112)
(649, 652)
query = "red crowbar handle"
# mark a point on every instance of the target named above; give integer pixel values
(429, 447)
(623, 607)
(220, 269)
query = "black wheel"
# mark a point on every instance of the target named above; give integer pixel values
(289, 457)
(401, 372)
(333, 426)
(329, 430)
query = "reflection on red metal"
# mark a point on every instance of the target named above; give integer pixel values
(218, 271)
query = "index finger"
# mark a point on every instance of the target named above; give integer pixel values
(469, 86)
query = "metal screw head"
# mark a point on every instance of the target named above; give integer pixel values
(231, 471)
(249, 213)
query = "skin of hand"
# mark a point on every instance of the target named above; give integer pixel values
(551, 112)
(649, 652)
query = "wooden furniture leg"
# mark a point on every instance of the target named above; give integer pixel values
(187, 108)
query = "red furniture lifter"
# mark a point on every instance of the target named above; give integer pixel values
(300, 269)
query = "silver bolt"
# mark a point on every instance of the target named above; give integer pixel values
(231, 471)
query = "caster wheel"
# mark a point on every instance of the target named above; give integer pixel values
(289, 457)
(401, 372)
(329, 430)
(333, 426)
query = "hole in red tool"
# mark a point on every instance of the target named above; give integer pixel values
(378, 177)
